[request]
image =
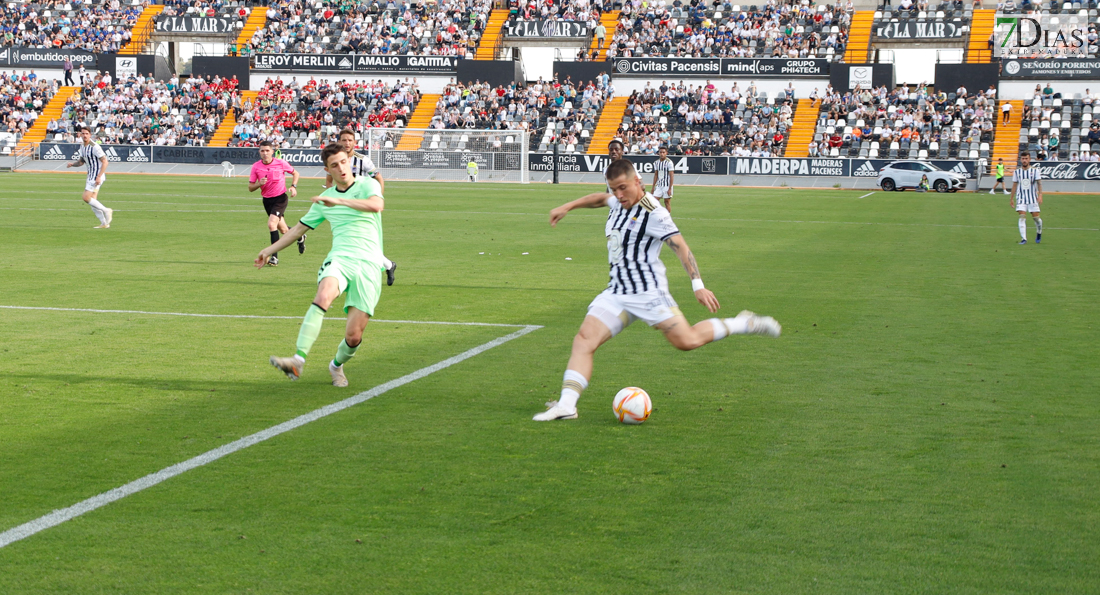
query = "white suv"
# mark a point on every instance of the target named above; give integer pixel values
(900, 175)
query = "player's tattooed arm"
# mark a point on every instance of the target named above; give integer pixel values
(679, 247)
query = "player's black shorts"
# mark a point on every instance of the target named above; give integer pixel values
(1001, 179)
(276, 205)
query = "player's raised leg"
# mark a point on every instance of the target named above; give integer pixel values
(353, 338)
(686, 337)
(327, 291)
(592, 334)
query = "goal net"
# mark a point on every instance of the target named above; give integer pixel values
(444, 155)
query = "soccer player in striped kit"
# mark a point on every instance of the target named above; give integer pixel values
(1027, 188)
(662, 178)
(92, 155)
(363, 166)
(637, 225)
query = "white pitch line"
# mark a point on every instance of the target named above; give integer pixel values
(65, 514)
(866, 195)
(193, 315)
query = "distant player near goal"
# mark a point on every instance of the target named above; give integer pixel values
(615, 151)
(363, 166)
(471, 170)
(92, 155)
(268, 175)
(636, 227)
(353, 207)
(662, 178)
(1027, 189)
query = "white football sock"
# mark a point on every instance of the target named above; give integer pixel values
(386, 263)
(720, 330)
(737, 326)
(98, 214)
(96, 204)
(573, 384)
(1023, 228)
(1038, 225)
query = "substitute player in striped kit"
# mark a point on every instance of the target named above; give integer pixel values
(1027, 188)
(92, 155)
(662, 178)
(363, 167)
(637, 225)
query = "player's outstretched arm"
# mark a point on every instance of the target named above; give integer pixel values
(1012, 194)
(589, 201)
(679, 246)
(284, 242)
(371, 204)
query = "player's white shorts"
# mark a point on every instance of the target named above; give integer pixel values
(662, 192)
(91, 186)
(1030, 208)
(618, 311)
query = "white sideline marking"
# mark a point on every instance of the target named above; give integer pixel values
(253, 316)
(60, 516)
(866, 195)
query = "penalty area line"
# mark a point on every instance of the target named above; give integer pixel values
(66, 514)
(866, 195)
(254, 316)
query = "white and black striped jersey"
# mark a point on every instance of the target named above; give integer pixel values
(1027, 185)
(663, 167)
(636, 174)
(634, 239)
(91, 155)
(362, 165)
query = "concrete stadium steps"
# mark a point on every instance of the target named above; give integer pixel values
(1006, 139)
(256, 21)
(859, 37)
(609, 19)
(52, 111)
(802, 128)
(981, 27)
(224, 133)
(142, 29)
(421, 118)
(487, 47)
(608, 125)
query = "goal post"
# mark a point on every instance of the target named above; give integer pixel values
(443, 155)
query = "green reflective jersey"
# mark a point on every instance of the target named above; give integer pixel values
(355, 234)
(1000, 170)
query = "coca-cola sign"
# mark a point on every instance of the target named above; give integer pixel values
(1071, 170)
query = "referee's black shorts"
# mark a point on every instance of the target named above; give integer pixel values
(276, 205)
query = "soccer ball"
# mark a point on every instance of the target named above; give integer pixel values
(632, 405)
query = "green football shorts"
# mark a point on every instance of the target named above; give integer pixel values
(362, 280)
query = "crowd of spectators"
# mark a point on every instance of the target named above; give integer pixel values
(294, 114)
(587, 11)
(702, 120)
(1057, 127)
(898, 123)
(445, 28)
(102, 27)
(773, 29)
(143, 111)
(561, 112)
(22, 97)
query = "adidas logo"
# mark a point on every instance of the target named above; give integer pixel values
(4, 54)
(137, 155)
(112, 155)
(865, 171)
(55, 153)
(345, 63)
(960, 169)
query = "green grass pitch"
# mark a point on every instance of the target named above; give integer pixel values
(928, 421)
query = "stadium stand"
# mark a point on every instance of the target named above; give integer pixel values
(607, 127)
(1006, 141)
(421, 118)
(257, 19)
(802, 128)
(899, 124)
(700, 120)
(1056, 128)
(142, 29)
(101, 28)
(859, 37)
(786, 30)
(490, 42)
(562, 113)
(450, 28)
(610, 21)
(23, 105)
(147, 112)
(978, 50)
(307, 115)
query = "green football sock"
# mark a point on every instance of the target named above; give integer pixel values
(345, 352)
(311, 327)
